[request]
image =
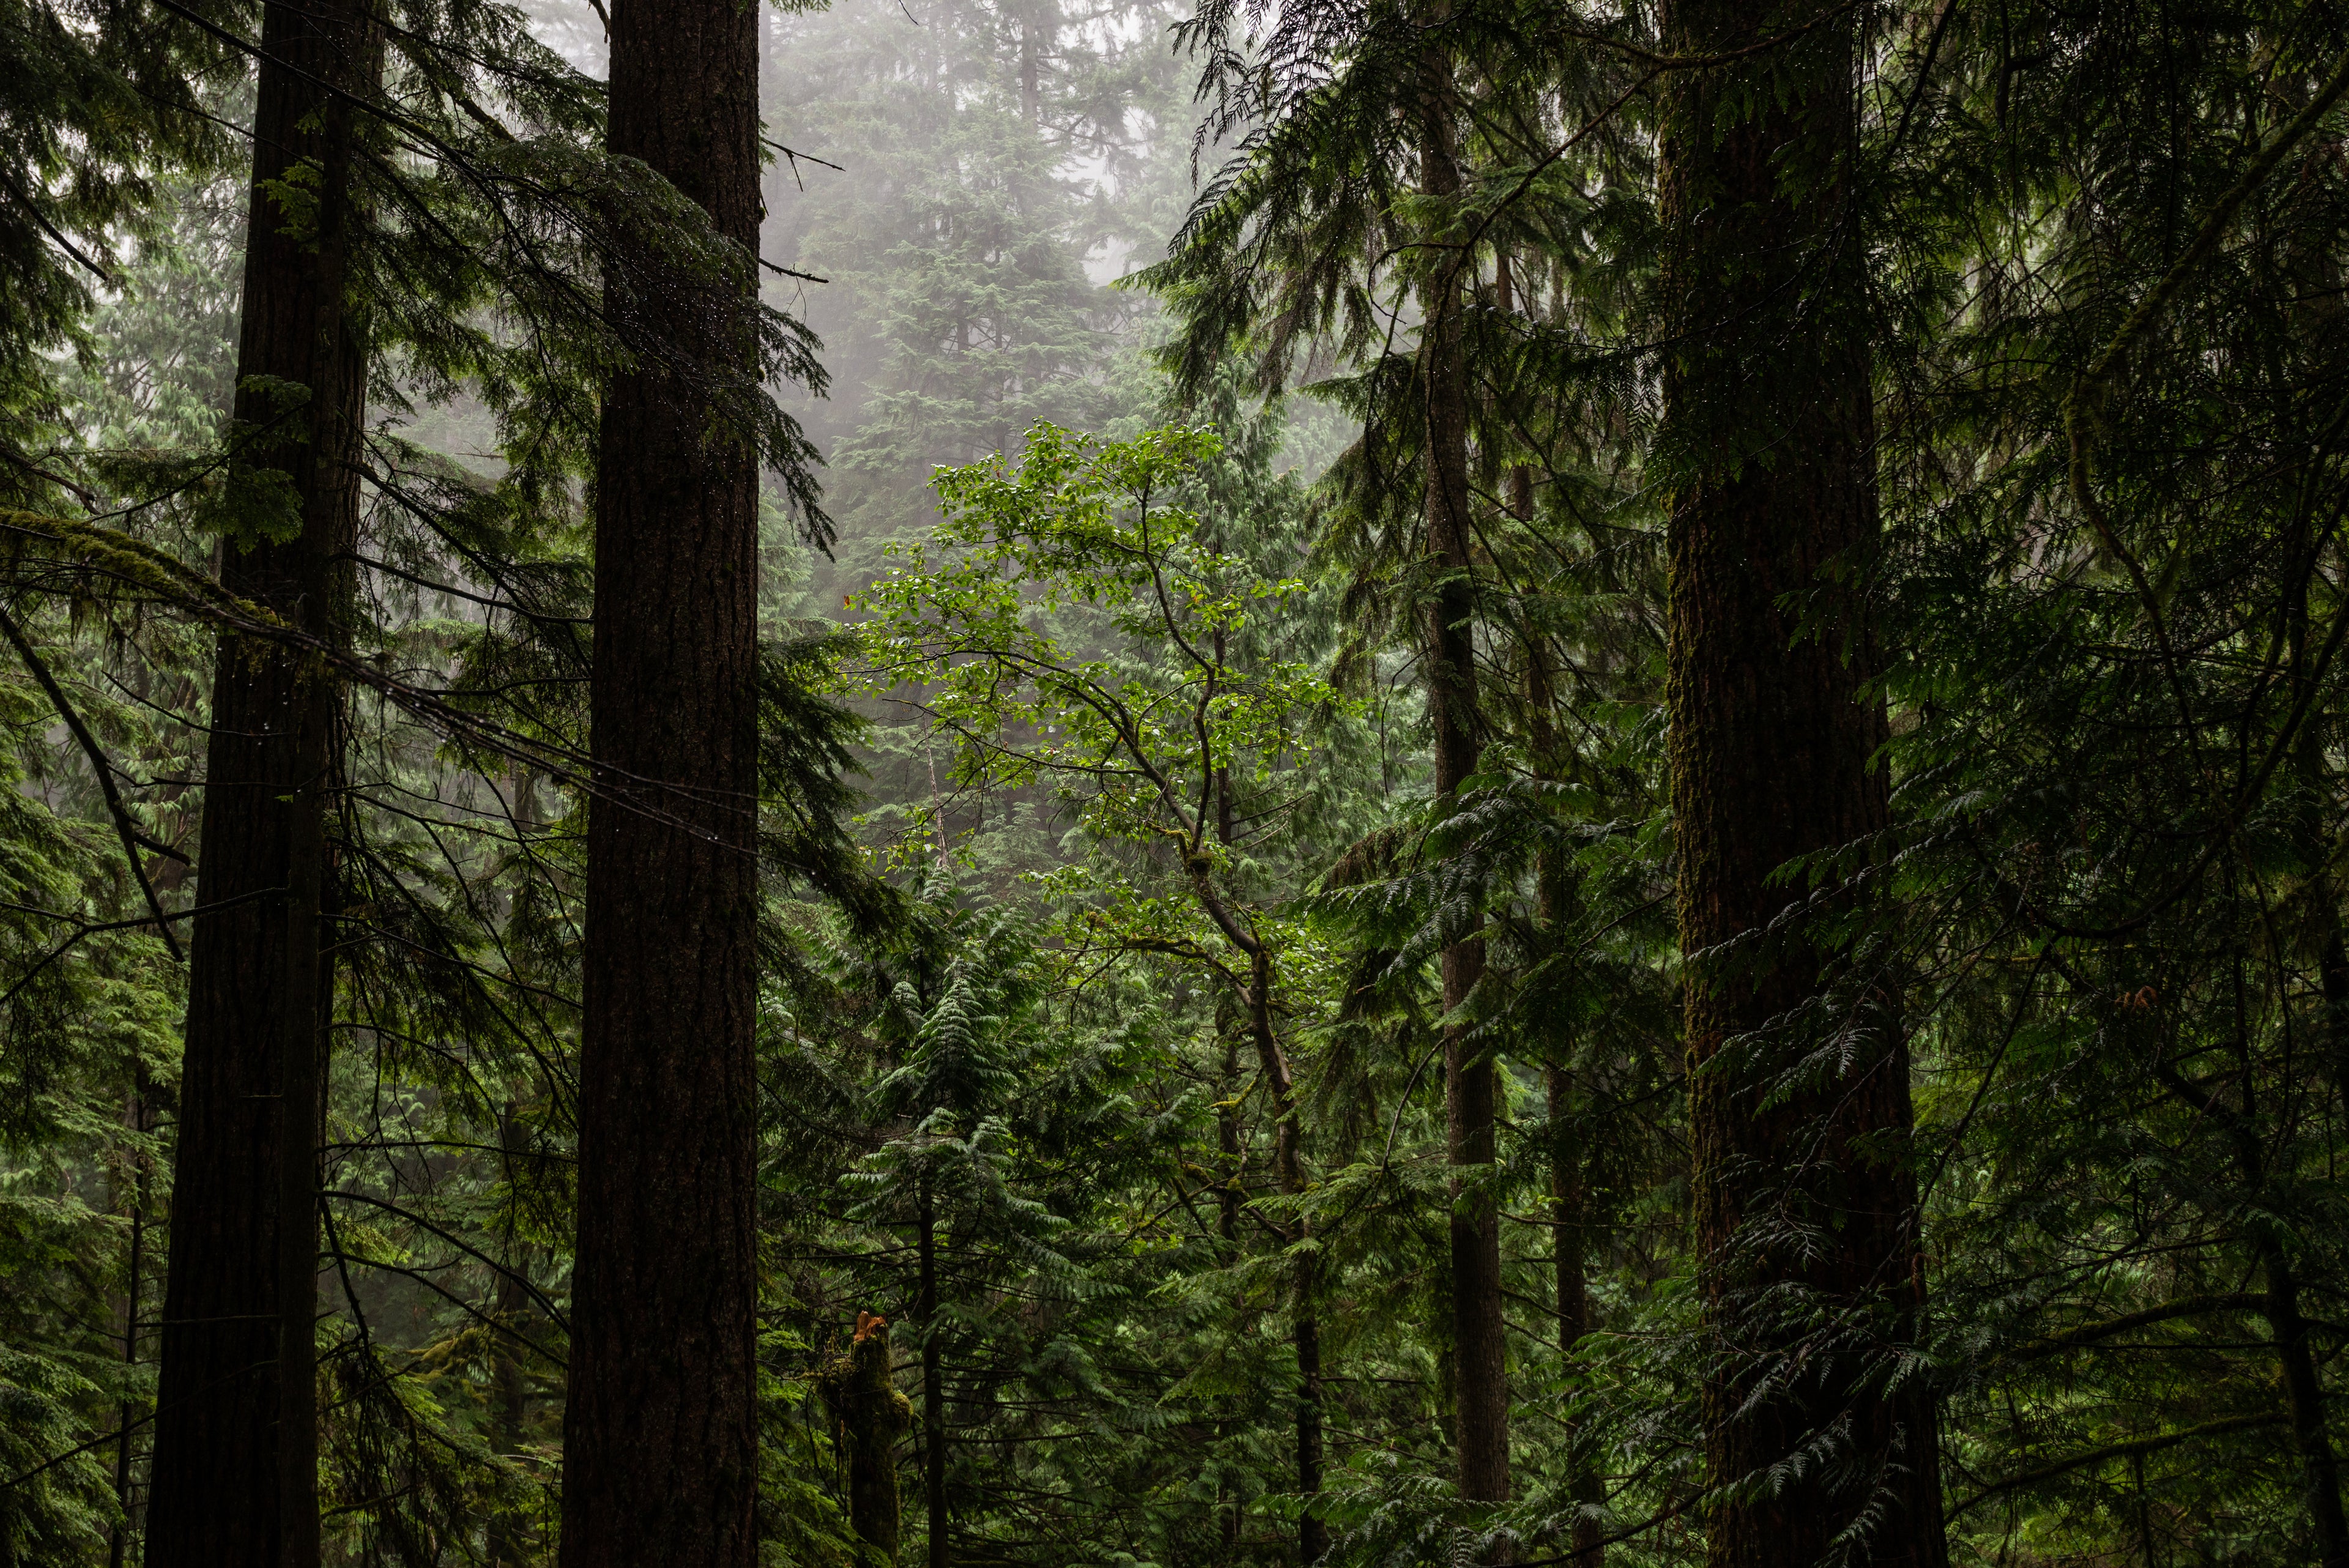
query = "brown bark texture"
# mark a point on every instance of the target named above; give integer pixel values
(1481, 1404)
(660, 1443)
(1800, 1102)
(234, 1457)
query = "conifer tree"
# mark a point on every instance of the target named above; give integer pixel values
(235, 1447)
(1806, 1223)
(661, 1461)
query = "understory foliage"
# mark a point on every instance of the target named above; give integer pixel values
(1104, 885)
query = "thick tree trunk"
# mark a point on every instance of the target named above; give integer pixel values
(1481, 1405)
(660, 1429)
(235, 1431)
(1769, 446)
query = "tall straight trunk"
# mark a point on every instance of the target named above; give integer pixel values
(1230, 1196)
(1472, 1090)
(934, 1391)
(118, 1536)
(2288, 1327)
(660, 1425)
(1289, 1168)
(509, 1385)
(1567, 1201)
(234, 1464)
(1556, 897)
(1768, 445)
(2319, 1469)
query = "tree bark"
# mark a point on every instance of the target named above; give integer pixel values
(119, 1535)
(871, 1415)
(1555, 900)
(660, 1426)
(1289, 1168)
(1768, 442)
(1568, 1200)
(2305, 1394)
(235, 1466)
(508, 1383)
(934, 1391)
(1481, 1405)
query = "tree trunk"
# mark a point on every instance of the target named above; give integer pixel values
(2305, 1394)
(118, 1536)
(1289, 1168)
(871, 1417)
(1556, 898)
(1231, 1194)
(234, 1466)
(509, 1385)
(1481, 1406)
(660, 1427)
(933, 1392)
(1769, 447)
(1567, 1201)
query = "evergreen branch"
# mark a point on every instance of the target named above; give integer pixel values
(2134, 1448)
(2095, 1333)
(104, 769)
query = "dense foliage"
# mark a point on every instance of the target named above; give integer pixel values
(1221, 687)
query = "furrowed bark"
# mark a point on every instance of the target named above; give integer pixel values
(234, 1466)
(1769, 441)
(1481, 1405)
(661, 1456)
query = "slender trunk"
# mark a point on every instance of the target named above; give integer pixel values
(660, 1426)
(234, 1464)
(1289, 1168)
(2332, 976)
(2304, 1392)
(1574, 1321)
(1770, 430)
(934, 1393)
(1555, 894)
(509, 1386)
(119, 1538)
(1481, 1405)
(1032, 73)
(1230, 1196)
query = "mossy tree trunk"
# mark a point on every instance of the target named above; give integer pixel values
(871, 1415)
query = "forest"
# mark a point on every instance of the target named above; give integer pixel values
(1174, 784)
